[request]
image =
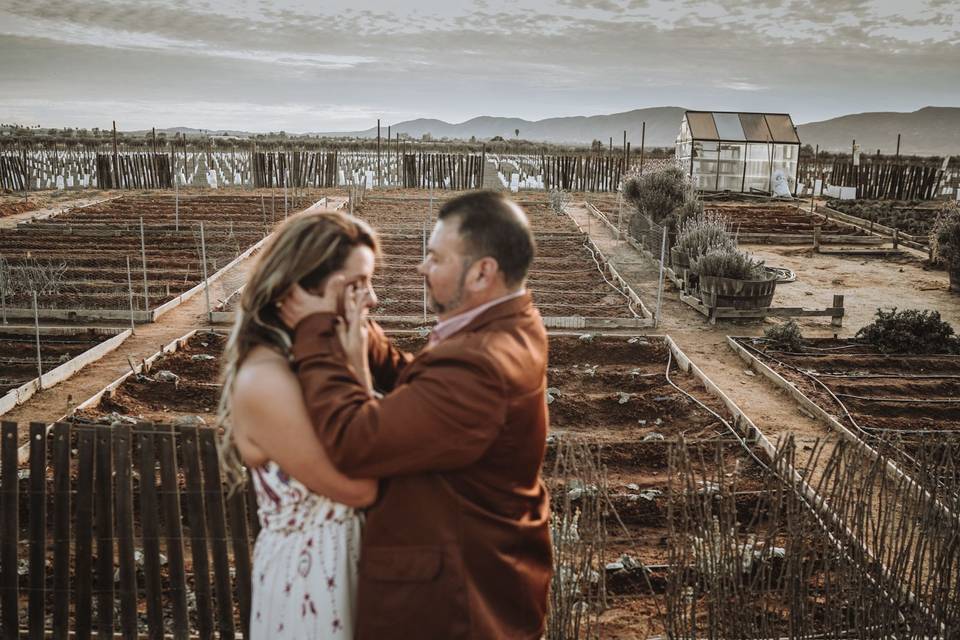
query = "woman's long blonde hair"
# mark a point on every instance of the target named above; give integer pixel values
(305, 250)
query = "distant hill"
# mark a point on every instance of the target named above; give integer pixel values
(928, 131)
(663, 124)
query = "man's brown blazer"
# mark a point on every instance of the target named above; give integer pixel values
(457, 545)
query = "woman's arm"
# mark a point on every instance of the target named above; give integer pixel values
(269, 412)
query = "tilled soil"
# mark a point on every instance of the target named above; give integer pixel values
(898, 404)
(18, 354)
(777, 218)
(79, 258)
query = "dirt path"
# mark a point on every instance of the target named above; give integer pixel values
(774, 412)
(867, 284)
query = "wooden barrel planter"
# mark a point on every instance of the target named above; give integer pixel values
(738, 294)
(678, 259)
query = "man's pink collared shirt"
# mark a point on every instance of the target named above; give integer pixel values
(450, 326)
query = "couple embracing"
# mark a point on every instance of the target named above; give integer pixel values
(399, 494)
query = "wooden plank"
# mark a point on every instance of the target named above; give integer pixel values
(61, 530)
(170, 499)
(122, 455)
(38, 530)
(9, 531)
(150, 525)
(237, 512)
(86, 445)
(190, 447)
(104, 522)
(800, 312)
(216, 522)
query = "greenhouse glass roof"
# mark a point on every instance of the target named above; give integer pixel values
(742, 127)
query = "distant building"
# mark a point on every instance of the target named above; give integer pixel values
(740, 152)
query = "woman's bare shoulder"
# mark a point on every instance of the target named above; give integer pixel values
(263, 373)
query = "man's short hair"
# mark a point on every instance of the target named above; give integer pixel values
(493, 225)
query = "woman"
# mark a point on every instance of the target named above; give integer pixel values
(305, 559)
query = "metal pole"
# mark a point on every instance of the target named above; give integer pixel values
(143, 257)
(423, 256)
(130, 290)
(619, 214)
(176, 202)
(206, 284)
(36, 325)
(663, 252)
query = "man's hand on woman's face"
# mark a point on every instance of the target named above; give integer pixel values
(298, 304)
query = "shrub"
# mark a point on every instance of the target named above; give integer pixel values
(703, 232)
(559, 199)
(785, 336)
(945, 237)
(658, 195)
(910, 331)
(728, 262)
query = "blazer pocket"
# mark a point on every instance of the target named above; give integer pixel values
(402, 564)
(411, 592)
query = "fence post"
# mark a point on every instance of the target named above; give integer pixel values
(9, 531)
(837, 321)
(206, 284)
(36, 327)
(130, 291)
(143, 257)
(423, 256)
(663, 251)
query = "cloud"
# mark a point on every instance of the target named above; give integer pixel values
(456, 60)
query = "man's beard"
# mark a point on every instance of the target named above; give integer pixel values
(439, 308)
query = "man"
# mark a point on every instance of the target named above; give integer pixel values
(458, 544)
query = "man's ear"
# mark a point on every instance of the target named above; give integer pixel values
(485, 272)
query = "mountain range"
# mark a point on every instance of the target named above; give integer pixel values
(927, 131)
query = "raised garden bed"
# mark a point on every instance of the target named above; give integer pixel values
(63, 352)
(77, 261)
(901, 406)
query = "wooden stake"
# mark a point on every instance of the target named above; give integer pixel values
(130, 291)
(36, 325)
(116, 158)
(206, 284)
(143, 257)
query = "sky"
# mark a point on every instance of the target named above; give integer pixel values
(338, 65)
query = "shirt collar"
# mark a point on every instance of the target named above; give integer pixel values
(452, 325)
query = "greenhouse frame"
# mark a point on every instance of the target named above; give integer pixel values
(738, 152)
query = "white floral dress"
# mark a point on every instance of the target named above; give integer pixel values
(304, 562)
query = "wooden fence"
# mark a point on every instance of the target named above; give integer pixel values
(13, 172)
(879, 179)
(457, 171)
(134, 171)
(295, 169)
(95, 504)
(583, 173)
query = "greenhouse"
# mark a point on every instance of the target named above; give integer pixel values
(741, 152)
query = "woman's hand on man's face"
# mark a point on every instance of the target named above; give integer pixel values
(297, 304)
